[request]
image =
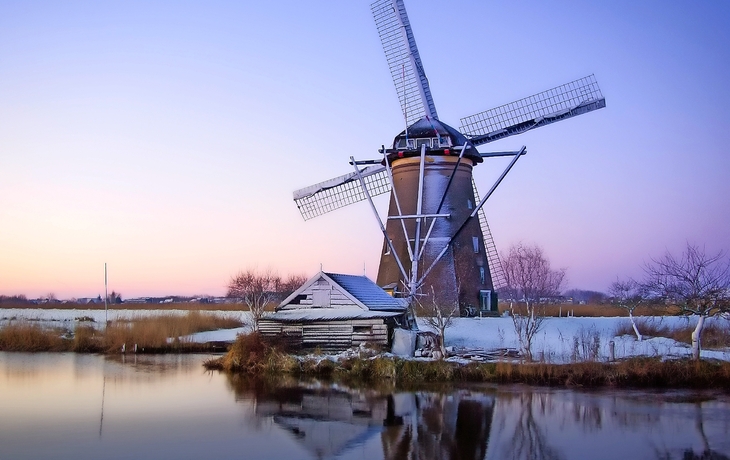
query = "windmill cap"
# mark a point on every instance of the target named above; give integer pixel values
(427, 128)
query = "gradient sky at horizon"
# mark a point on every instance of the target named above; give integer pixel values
(165, 138)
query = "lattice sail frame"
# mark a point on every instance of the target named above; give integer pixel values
(496, 269)
(564, 101)
(341, 191)
(404, 61)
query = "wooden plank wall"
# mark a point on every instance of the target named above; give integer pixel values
(327, 335)
(337, 299)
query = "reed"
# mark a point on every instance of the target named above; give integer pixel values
(150, 334)
(252, 354)
(25, 336)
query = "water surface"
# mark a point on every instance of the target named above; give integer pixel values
(87, 407)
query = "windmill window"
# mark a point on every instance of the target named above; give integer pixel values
(411, 144)
(475, 243)
(401, 144)
(435, 143)
(469, 204)
(485, 300)
(481, 275)
(426, 142)
(387, 248)
(445, 141)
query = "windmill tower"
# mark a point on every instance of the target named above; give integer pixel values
(436, 238)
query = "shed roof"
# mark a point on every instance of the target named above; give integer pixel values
(364, 293)
(367, 292)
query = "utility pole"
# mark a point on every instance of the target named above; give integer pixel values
(106, 298)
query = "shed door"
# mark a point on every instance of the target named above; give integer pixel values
(321, 295)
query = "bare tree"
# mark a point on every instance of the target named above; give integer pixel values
(438, 318)
(629, 294)
(697, 282)
(115, 297)
(256, 289)
(290, 284)
(529, 278)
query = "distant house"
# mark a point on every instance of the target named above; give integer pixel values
(335, 312)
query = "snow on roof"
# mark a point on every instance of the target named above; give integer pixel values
(369, 293)
(328, 314)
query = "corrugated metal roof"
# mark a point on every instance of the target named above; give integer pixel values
(369, 293)
(327, 314)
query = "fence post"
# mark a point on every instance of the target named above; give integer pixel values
(611, 351)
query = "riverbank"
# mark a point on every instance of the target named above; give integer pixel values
(253, 356)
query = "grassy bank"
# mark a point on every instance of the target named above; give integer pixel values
(150, 334)
(253, 356)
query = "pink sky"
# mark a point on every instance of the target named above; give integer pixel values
(166, 140)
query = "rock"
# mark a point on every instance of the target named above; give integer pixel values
(404, 342)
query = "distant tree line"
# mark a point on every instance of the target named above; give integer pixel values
(14, 299)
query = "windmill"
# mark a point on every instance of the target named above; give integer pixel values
(436, 238)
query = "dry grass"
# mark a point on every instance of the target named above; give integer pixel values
(151, 333)
(148, 333)
(252, 354)
(25, 336)
(593, 310)
(636, 372)
(715, 334)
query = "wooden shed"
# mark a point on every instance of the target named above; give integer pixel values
(335, 312)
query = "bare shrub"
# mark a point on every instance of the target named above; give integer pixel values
(586, 344)
(529, 278)
(438, 318)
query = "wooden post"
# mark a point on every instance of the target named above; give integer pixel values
(611, 351)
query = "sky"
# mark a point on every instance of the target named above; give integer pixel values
(166, 138)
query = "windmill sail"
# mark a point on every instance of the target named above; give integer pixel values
(336, 193)
(495, 263)
(565, 101)
(403, 59)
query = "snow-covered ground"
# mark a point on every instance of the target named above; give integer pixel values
(565, 339)
(560, 340)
